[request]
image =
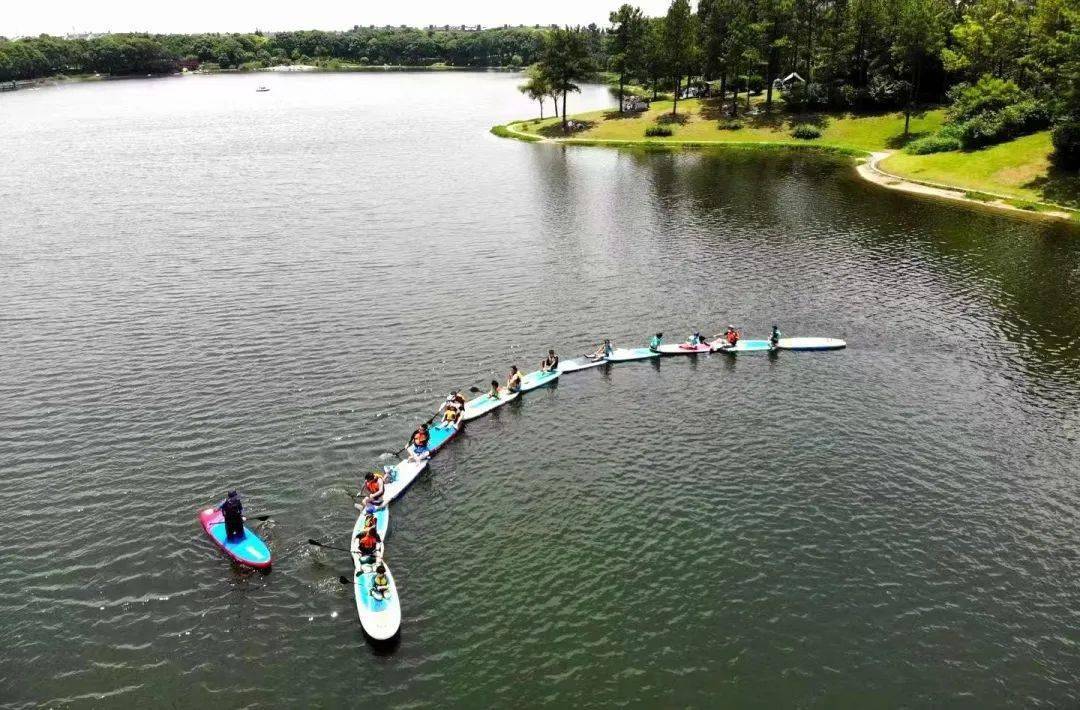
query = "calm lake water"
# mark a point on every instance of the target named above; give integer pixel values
(204, 287)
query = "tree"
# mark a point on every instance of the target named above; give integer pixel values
(565, 61)
(678, 44)
(920, 36)
(536, 87)
(655, 57)
(627, 43)
(991, 38)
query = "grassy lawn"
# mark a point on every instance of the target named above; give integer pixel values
(1020, 168)
(700, 120)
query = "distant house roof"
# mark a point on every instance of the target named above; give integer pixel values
(793, 76)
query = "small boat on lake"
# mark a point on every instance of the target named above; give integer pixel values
(262, 88)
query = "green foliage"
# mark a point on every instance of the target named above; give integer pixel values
(806, 131)
(679, 45)
(992, 111)
(42, 56)
(988, 95)
(1066, 139)
(565, 61)
(731, 125)
(936, 143)
(628, 41)
(658, 131)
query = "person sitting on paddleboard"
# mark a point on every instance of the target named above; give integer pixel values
(451, 415)
(495, 391)
(233, 511)
(373, 489)
(454, 400)
(693, 341)
(370, 522)
(380, 586)
(731, 338)
(550, 363)
(513, 381)
(418, 443)
(774, 338)
(604, 351)
(656, 342)
(369, 545)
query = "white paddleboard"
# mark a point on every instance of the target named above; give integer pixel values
(483, 404)
(579, 363)
(401, 476)
(626, 354)
(811, 344)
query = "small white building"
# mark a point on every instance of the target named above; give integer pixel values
(787, 82)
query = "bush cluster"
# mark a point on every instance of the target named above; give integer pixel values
(937, 143)
(806, 131)
(992, 111)
(730, 125)
(1066, 139)
(658, 131)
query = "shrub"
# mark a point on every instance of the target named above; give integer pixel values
(992, 127)
(988, 95)
(1066, 139)
(806, 131)
(936, 143)
(658, 131)
(730, 125)
(805, 97)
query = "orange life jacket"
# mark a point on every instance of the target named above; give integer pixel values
(372, 485)
(368, 541)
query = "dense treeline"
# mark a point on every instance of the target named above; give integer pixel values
(35, 57)
(1007, 67)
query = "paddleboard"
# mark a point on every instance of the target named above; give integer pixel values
(439, 434)
(399, 477)
(684, 349)
(380, 618)
(249, 550)
(484, 403)
(745, 346)
(579, 363)
(811, 344)
(539, 378)
(625, 354)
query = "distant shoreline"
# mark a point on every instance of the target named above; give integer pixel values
(279, 69)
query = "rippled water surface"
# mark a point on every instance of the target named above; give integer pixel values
(203, 287)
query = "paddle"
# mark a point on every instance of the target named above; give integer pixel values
(345, 580)
(402, 450)
(260, 518)
(316, 543)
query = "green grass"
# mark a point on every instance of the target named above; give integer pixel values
(504, 132)
(702, 121)
(1019, 169)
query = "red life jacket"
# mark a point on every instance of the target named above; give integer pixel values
(373, 485)
(368, 542)
(420, 438)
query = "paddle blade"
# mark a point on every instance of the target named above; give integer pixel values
(314, 542)
(344, 580)
(475, 390)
